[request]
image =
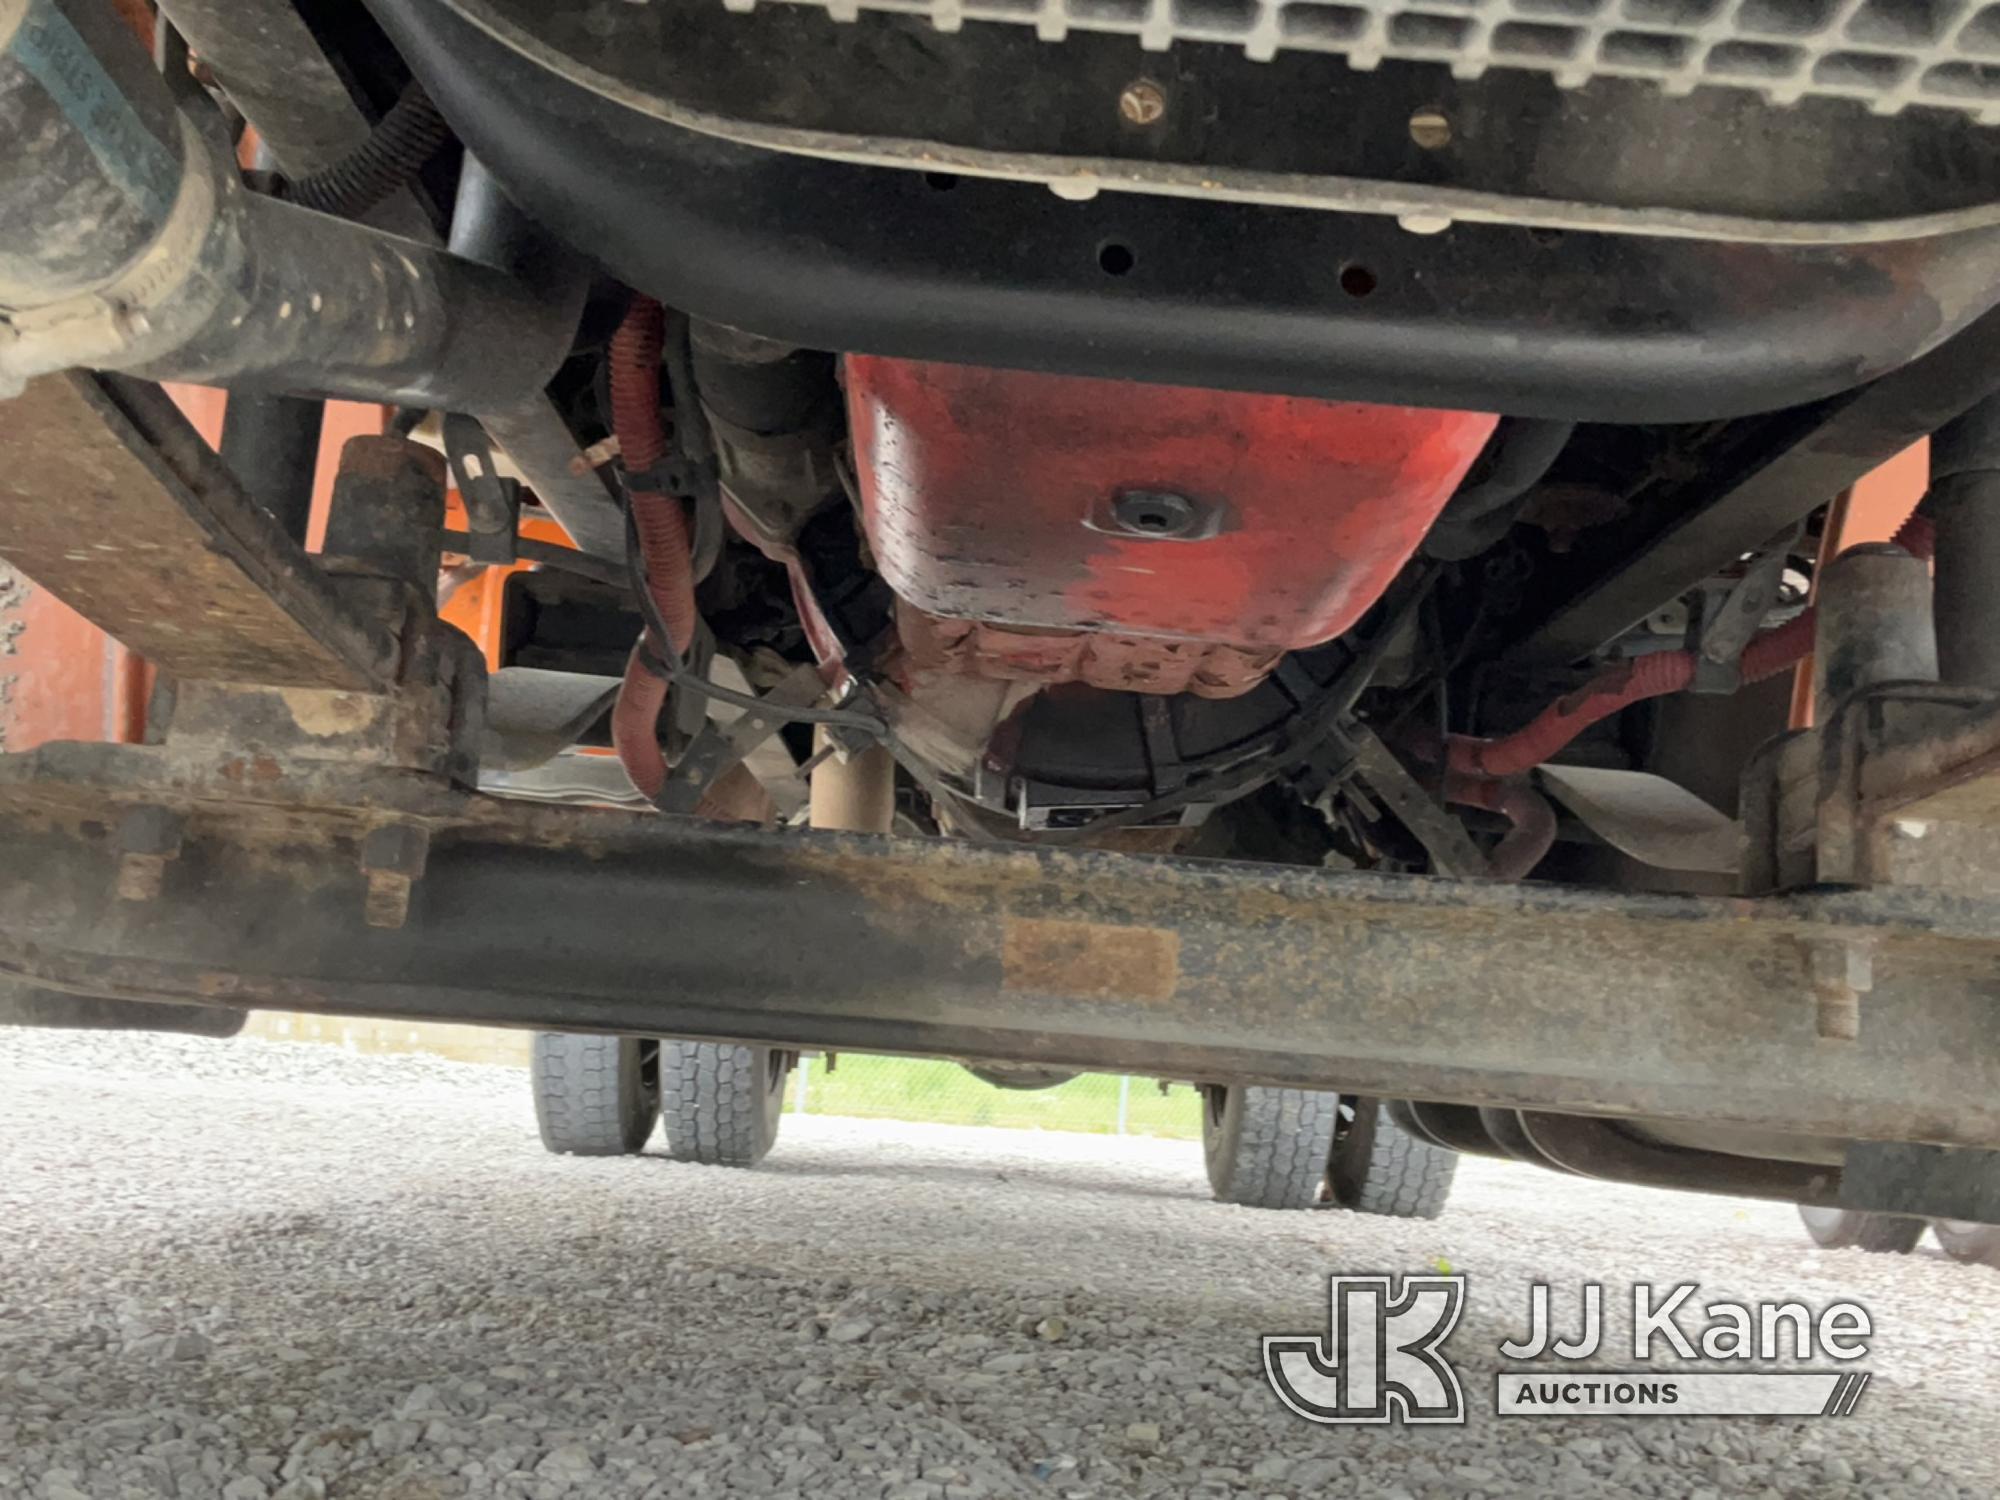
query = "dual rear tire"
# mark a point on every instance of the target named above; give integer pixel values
(721, 1103)
(1294, 1148)
(594, 1095)
(1891, 1234)
(1975, 1244)
(601, 1096)
(1850, 1229)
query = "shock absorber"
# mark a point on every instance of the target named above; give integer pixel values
(1964, 504)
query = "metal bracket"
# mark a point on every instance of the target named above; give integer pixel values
(1450, 847)
(492, 501)
(1655, 821)
(1740, 613)
(719, 747)
(1906, 790)
(533, 715)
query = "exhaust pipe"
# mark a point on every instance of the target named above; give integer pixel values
(128, 242)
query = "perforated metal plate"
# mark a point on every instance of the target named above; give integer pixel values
(1891, 54)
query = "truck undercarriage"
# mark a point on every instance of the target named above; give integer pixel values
(1294, 545)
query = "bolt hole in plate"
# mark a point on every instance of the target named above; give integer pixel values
(1431, 129)
(1160, 514)
(1115, 258)
(1142, 102)
(1357, 280)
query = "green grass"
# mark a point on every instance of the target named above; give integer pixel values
(902, 1088)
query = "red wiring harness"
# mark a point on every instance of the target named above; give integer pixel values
(663, 539)
(1652, 676)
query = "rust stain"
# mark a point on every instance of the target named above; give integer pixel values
(258, 768)
(1089, 960)
(1122, 663)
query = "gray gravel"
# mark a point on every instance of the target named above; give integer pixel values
(268, 1271)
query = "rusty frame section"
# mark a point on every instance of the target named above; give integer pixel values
(111, 501)
(1910, 788)
(1523, 997)
(1899, 788)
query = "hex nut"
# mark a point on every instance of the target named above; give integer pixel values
(393, 859)
(148, 839)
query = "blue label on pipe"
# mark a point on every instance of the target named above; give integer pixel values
(48, 46)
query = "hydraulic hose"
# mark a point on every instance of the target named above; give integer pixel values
(661, 531)
(635, 725)
(1651, 676)
(1525, 844)
(1563, 720)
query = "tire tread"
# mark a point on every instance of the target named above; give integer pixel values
(1276, 1157)
(716, 1100)
(581, 1085)
(1405, 1178)
(1875, 1234)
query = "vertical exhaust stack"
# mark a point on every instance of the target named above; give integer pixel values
(128, 242)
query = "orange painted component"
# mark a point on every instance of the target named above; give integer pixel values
(138, 15)
(1873, 511)
(61, 678)
(473, 596)
(1884, 499)
(204, 406)
(1267, 523)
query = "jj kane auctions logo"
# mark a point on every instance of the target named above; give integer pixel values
(1381, 1358)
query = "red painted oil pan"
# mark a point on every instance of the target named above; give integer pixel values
(1066, 503)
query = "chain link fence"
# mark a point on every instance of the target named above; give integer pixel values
(944, 1093)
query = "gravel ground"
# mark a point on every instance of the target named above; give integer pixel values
(269, 1271)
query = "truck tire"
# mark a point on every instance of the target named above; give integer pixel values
(1266, 1147)
(1975, 1244)
(1377, 1167)
(721, 1102)
(1850, 1229)
(594, 1095)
